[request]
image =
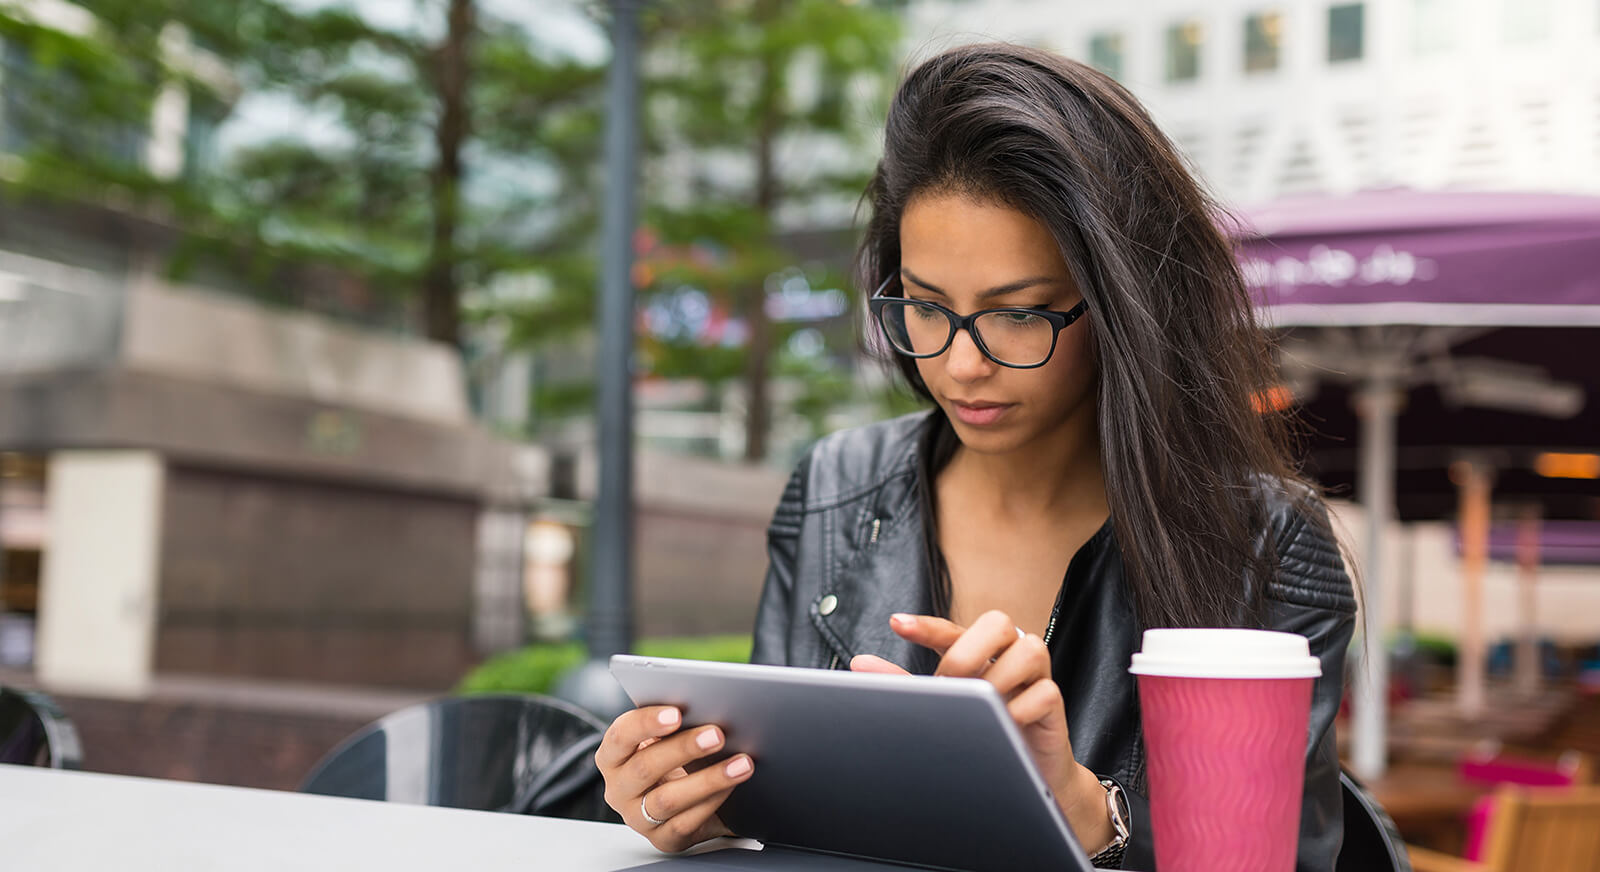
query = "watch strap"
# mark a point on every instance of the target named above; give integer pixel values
(1110, 857)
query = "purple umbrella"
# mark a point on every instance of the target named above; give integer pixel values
(1404, 257)
(1381, 292)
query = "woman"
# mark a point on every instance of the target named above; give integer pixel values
(1051, 278)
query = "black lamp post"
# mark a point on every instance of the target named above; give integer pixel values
(610, 616)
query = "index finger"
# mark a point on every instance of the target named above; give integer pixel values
(991, 635)
(622, 738)
(927, 631)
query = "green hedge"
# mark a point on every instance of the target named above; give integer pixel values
(534, 669)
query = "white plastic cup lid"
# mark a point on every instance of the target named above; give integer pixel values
(1207, 653)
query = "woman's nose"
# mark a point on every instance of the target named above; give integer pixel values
(964, 362)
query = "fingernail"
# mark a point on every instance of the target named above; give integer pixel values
(668, 717)
(737, 767)
(707, 738)
(903, 620)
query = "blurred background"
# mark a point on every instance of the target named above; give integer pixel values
(297, 335)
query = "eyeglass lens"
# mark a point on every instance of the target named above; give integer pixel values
(1014, 338)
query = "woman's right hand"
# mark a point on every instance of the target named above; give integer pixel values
(644, 760)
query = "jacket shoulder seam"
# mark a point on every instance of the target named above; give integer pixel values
(1310, 570)
(856, 493)
(896, 465)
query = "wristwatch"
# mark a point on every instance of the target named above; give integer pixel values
(1121, 822)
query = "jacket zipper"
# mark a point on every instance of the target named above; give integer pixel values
(834, 663)
(1055, 611)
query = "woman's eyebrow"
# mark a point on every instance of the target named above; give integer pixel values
(997, 291)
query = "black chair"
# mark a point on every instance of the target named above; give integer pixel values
(34, 732)
(519, 754)
(1371, 842)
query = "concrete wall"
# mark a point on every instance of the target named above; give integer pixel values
(201, 741)
(700, 539)
(232, 731)
(283, 578)
(325, 487)
(55, 316)
(698, 572)
(214, 424)
(317, 490)
(196, 335)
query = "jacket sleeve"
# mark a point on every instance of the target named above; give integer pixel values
(1313, 596)
(774, 617)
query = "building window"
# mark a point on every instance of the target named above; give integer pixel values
(14, 71)
(206, 114)
(1183, 51)
(1432, 26)
(1105, 53)
(54, 108)
(1263, 41)
(1346, 32)
(1526, 21)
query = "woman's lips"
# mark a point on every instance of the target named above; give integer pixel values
(979, 414)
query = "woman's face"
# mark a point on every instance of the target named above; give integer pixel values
(967, 255)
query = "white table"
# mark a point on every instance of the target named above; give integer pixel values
(55, 821)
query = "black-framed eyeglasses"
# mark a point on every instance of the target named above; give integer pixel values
(1015, 337)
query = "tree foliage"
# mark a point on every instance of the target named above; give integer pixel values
(77, 101)
(464, 154)
(440, 156)
(776, 104)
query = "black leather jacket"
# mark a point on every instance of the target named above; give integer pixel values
(847, 551)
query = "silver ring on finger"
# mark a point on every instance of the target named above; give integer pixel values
(645, 810)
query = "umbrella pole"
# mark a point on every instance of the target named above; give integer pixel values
(1474, 480)
(1528, 667)
(1377, 403)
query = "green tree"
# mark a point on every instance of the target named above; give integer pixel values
(78, 95)
(466, 153)
(461, 149)
(757, 111)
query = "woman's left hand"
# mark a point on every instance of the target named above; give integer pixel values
(1018, 665)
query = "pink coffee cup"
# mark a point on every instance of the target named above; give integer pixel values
(1225, 717)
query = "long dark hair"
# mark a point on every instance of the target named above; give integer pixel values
(1182, 362)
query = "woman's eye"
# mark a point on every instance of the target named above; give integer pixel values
(925, 314)
(1017, 319)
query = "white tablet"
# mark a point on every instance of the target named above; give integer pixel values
(911, 769)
